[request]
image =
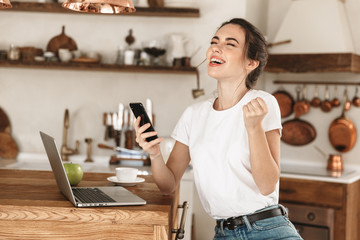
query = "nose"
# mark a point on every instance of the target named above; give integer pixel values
(216, 48)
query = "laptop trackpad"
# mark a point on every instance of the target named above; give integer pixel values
(122, 195)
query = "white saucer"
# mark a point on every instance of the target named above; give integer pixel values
(114, 179)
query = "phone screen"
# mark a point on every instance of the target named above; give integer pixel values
(139, 110)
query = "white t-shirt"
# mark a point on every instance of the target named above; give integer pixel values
(219, 151)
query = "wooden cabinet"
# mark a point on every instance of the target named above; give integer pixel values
(338, 202)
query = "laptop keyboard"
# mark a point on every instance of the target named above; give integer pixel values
(91, 195)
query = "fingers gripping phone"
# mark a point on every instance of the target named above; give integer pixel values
(139, 110)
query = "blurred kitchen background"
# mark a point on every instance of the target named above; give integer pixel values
(36, 98)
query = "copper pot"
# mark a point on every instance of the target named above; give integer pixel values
(326, 104)
(356, 99)
(342, 131)
(315, 102)
(335, 102)
(302, 106)
(335, 163)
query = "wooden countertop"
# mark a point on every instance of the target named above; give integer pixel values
(32, 207)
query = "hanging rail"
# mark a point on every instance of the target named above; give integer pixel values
(315, 82)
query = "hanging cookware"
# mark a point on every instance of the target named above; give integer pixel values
(315, 102)
(342, 131)
(302, 106)
(298, 132)
(326, 104)
(61, 41)
(356, 99)
(8, 146)
(286, 102)
(335, 102)
(347, 103)
(4, 122)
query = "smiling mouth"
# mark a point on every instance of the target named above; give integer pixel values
(216, 61)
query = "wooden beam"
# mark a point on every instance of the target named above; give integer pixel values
(303, 63)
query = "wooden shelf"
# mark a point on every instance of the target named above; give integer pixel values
(97, 67)
(150, 12)
(305, 63)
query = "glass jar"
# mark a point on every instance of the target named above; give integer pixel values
(14, 53)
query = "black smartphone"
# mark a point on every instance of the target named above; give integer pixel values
(139, 110)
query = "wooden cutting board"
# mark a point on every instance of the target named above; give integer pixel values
(8, 146)
(4, 122)
(61, 41)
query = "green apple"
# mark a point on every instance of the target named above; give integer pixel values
(74, 173)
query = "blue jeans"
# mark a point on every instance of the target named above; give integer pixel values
(278, 227)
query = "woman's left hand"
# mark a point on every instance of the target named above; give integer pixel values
(254, 113)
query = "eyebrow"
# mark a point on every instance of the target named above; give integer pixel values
(227, 39)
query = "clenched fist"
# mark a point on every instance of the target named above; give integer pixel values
(254, 113)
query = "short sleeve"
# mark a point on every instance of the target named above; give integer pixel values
(182, 129)
(272, 119)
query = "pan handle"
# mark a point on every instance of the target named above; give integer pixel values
(180, 232)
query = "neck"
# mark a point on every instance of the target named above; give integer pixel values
(229, 94)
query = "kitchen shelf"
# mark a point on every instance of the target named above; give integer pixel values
(97, 67)
(305, 63)
(150, 12)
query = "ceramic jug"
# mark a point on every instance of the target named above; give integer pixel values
(178, 44)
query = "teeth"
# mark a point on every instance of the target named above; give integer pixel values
(215, 60)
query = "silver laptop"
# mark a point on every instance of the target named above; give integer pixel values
(85, 196)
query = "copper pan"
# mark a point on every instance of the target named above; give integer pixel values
(342, 131)
(298, 132)
(8, 146)
(286, 102)
(4, 122)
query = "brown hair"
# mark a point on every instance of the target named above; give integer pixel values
(255, 48)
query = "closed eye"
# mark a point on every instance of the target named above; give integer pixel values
(214, 40)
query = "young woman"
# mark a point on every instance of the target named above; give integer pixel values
(233, 141)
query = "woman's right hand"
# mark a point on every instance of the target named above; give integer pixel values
(152, 147)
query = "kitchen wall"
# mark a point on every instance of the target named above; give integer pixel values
(321, 121)
(36, 99)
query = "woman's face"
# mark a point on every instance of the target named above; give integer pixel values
(225, 56)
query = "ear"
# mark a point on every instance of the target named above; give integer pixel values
(251, 65)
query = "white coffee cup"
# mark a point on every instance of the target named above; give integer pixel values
(65, 54)
(126, 174)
